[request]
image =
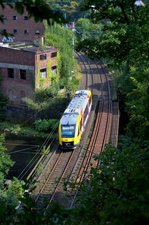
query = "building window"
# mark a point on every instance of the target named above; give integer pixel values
(4, 17)
(26, 32)
(37, 32)
(14, 17)
(25, 17)
(53, 69)
(43, 57)
(15, 31)
(10, 72)
(53, 54)
(4, 31)
(43, 73)
(23, 74)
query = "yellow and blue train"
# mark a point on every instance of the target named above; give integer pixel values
(74, 119)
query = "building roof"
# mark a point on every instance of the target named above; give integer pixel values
(27, 46)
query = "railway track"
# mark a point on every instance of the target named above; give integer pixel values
(100, 135)
(72, 165)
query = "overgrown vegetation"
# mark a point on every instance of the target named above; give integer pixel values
(66, 78)
(50, 103)
(61, 38)
(40, 129)
(122, 44)
(117, 192)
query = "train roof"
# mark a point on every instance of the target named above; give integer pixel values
(83, 92)
(74, 108)
(78, 102)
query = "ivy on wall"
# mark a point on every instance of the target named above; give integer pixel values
(59, 64)
(37, 77)
(41, 81)
(49, 71)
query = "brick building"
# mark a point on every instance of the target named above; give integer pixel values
(20, 26)
(25, 68)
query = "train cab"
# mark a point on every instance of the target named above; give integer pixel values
(74, 119)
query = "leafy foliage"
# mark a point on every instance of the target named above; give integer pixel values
(61, 38)
(69, 8)
(5, 161)
(116, 192)
(19, 130)
(120, 21)
(45, 125)
(10, 193)
(122, 43)
(87, 30)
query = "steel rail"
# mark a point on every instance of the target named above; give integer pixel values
(94, 146)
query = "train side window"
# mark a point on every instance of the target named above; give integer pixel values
(85, 112)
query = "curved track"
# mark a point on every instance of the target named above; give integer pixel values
(71, 165)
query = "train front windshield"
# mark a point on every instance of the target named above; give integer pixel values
(68, 131)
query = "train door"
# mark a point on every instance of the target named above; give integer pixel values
(81, 126)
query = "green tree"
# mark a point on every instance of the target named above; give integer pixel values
(10, 192)
(46, 125)
(117, 191)
(5, 161)
(87, 30)
(122, 44)
(120, 21)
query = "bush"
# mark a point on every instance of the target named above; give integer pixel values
(45, 125)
